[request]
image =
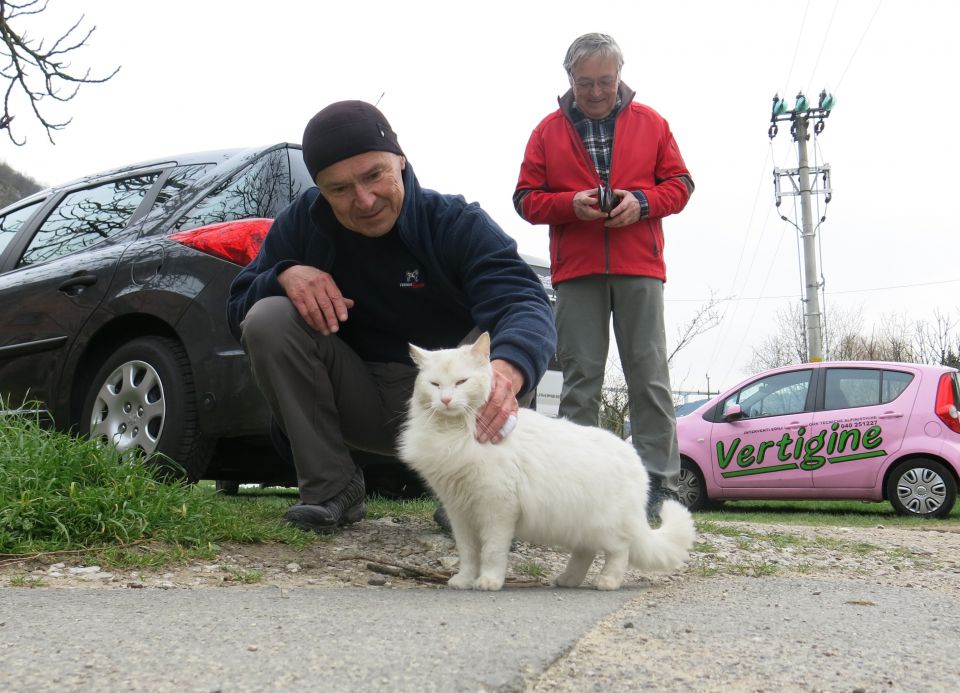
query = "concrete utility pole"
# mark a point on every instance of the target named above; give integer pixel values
(803, 185)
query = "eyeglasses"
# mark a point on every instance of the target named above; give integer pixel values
(605, 83)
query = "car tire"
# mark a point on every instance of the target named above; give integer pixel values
(692, 489)
(143, 397)
(921, 488)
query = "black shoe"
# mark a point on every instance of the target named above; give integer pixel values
(658, 494)
(440, 517)
(345, 508)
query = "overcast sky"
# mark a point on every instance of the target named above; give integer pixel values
(464, 84)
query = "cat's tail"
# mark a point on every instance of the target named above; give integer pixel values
(667, 547)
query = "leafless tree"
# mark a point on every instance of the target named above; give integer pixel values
(787, 344)
(37, 70)
(705, 319)
(894, 338)
(938, 342)
(614, 398)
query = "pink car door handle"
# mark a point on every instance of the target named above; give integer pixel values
(891, 415)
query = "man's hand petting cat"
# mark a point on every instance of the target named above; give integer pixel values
(502, 403)
(316, 297)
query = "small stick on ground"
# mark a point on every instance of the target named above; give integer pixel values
(387, 567)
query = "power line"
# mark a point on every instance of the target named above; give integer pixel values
(823, 43)
(859, 43)
(829, 293)
(796, 48)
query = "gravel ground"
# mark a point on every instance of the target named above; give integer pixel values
(927, 557)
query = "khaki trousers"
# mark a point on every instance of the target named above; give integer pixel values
(584, 307)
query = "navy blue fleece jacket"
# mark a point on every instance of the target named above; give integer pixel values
(458, 243)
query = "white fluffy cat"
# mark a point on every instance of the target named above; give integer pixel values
(550, 482)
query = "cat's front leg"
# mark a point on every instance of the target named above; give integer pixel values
(468, 550)
(577, 567)
(493, 555)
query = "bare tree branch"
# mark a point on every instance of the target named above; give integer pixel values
(705, 319)
(36, 73)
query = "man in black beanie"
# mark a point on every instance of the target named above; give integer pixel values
(349, 274)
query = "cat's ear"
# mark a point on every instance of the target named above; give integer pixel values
(418, 355)
(482, 345)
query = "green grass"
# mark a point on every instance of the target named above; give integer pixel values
(827, 513)
(60, 494)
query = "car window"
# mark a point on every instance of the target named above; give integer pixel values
(88, 216)
(862, 387)
(299, 175)
(259, 191)
(180, 179)
(782, 393)
(11, 223)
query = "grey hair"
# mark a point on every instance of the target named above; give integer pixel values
(589, 45)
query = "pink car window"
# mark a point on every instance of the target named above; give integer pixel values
(862, 387)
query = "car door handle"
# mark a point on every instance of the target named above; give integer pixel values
(794, 424)
(77, 283)
(891, 415)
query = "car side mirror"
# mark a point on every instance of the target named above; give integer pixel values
(732, 412)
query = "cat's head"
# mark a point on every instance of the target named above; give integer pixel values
(453, 382)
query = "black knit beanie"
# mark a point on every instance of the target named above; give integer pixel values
(344, 129)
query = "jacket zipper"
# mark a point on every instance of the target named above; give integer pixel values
(572, 132)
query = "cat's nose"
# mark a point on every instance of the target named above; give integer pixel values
(446, 401)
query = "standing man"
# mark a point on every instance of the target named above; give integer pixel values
(602, 171)
(349, 274)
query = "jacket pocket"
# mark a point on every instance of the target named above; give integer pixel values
(656, 231)
(556, 235)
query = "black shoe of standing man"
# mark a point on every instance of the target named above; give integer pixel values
(658, 493)
(345, 508)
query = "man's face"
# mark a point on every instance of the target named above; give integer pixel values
(365, 191)
(595, 80)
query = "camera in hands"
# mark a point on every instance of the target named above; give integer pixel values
(607, 199)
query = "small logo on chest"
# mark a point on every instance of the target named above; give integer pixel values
(411, 280)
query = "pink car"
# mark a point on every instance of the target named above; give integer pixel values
(866, 430)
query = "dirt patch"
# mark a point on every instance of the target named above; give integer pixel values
(412, 553)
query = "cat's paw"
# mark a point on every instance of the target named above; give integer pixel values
(461, 582)
(608, 583)
(487, 583)
(564, 580)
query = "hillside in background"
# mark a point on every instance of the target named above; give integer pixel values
(15, 185)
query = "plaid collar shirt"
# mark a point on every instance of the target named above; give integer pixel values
(597, 136)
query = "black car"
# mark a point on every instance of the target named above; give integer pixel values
(113, 295)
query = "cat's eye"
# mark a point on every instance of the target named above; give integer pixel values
(461, 382)
(435, 384)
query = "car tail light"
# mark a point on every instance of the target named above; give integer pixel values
(946, 407)
(235, 241)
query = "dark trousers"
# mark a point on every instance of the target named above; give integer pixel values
(324, 397)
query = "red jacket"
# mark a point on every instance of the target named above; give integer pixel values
(556, 165)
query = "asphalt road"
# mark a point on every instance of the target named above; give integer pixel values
(723, 633)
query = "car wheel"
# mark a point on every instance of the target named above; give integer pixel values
(142, 397)
(923, 488)
(691, 488)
